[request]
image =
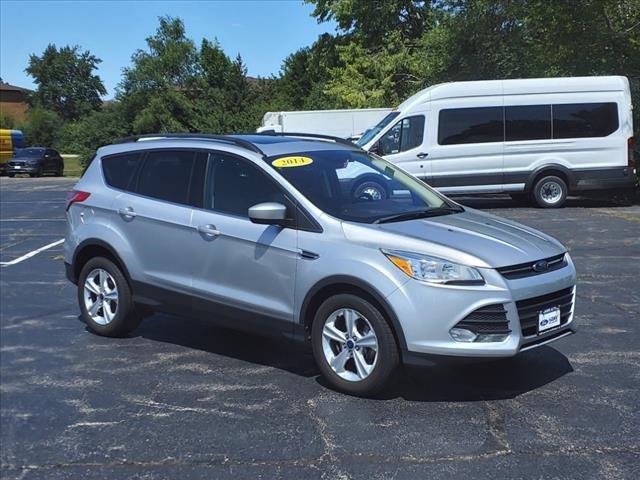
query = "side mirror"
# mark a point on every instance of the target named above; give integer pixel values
(375, 148)
(268, 213)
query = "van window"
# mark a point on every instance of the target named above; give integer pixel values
(527, 122)
(408, 133)
(120, 169)
(578, 120)
(470, 125)
(165, 175)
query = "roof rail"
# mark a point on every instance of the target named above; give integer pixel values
(342, 141)
(239, 142)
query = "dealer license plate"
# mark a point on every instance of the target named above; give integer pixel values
(548, 319)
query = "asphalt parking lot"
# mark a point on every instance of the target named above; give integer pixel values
(182, 399)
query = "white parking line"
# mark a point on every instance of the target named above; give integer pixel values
(31, 254)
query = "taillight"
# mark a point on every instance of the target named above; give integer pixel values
(631, 161)
(76, 196)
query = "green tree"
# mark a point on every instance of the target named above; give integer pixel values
(41, 127)
(6, 120)
(66, 83)
(99, 128)
(155, 90)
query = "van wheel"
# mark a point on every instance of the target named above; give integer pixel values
(353, 345)
(370, 190)
(550, 192)
(105, 299)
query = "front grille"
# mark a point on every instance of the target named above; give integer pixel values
(522, 270)
(529, 309)
(489, 319)
(17, 164)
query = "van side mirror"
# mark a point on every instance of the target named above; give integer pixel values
(268, 213)
(375, 148)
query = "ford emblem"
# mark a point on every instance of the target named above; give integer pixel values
(541, 266)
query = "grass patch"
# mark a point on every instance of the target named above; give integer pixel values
(72, 167)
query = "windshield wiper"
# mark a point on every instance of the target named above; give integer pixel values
(412, 215)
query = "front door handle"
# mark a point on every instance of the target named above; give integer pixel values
(208, 230)
(127, 212)
(422, 155)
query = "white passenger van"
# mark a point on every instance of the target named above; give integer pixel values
(543, 137)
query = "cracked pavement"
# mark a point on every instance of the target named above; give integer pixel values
(181, 398)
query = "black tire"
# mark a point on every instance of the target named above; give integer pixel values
(126, 318)
(371, 190)
(11, 175)
(388, 356)
(60, 171)
(37, 173)
(544, 189)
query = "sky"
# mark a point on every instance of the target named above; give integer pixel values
(263, 32)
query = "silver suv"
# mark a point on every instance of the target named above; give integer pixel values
(313, 239)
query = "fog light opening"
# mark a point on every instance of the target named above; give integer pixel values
(462, 335)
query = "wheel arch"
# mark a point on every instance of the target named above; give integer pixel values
(346, 284)
(94, 247)
(550, 169)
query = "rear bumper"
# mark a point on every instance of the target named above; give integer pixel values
(605, 179)
(69, 273)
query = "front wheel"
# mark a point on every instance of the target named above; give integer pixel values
(353, 345)
(105, 299)
(550, 192)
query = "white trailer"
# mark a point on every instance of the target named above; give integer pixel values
(338, 123)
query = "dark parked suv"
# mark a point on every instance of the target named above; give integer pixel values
(36, 161)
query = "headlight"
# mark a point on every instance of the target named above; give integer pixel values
(433, 269)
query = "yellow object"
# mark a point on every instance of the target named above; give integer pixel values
(9, 141)
(402, 264)
(288, 162)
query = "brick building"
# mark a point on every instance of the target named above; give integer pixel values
(13, 101)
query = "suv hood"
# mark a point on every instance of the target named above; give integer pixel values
(471, 237)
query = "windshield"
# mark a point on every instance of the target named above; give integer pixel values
(356, 186)
(372, 132)
(29, 152)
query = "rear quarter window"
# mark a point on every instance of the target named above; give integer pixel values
(119, 170)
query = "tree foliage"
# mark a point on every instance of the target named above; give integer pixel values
(381, 53)
(66, 82)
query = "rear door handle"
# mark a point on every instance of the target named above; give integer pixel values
(208, 230)
(422, 155)
(127, 212)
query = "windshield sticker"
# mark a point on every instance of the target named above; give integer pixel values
(288, 162)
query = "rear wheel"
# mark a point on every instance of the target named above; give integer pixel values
(11, 175)
(60, 171)
(353, 345)
(550, 192)
(105, 299)
(37, 173)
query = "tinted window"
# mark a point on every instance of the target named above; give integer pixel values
(165, 175)
(404, 135)
(578, 120)
(372, 132)
(527, 122)
(237, 185)
(470, 125)
(29, 152)
(120, 169)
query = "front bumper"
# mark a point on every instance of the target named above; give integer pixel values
(21, 169)
(427, 313)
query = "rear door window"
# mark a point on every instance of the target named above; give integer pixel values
(579, 120)
(119, 170)
(470, 125)
(166, 175)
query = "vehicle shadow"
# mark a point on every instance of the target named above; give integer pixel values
(446, 381)
(500, 201)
